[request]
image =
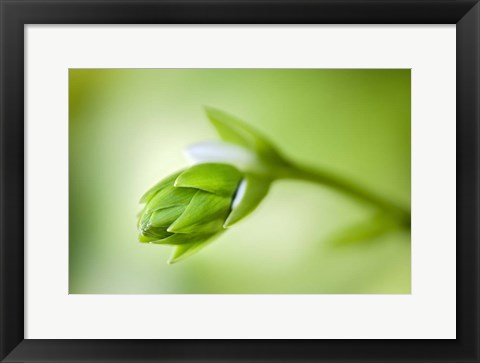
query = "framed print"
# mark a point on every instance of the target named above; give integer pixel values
(239, 181)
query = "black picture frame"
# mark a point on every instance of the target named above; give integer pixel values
(15, 14)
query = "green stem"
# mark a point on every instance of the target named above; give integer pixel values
(294, 171)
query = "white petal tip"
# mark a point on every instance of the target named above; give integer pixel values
(240, 193)
(222, 152)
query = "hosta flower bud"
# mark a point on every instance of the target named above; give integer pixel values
(229, 179)
(189, 208)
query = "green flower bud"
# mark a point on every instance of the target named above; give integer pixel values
(189, 208)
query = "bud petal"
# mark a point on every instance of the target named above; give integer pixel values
(251, 191)
(220, 179)
(165, 217)
(182, 238)
(157, 187)
(203, 208)
(184, 250)
(170, 196)
(145, 239)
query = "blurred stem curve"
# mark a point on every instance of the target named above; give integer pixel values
(301, 172)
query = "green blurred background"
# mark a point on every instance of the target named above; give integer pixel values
(129, 127)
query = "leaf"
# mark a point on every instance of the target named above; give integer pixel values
(233, 130)
(220, 179)
(250, 193)
(204, 208)
(367, 231)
